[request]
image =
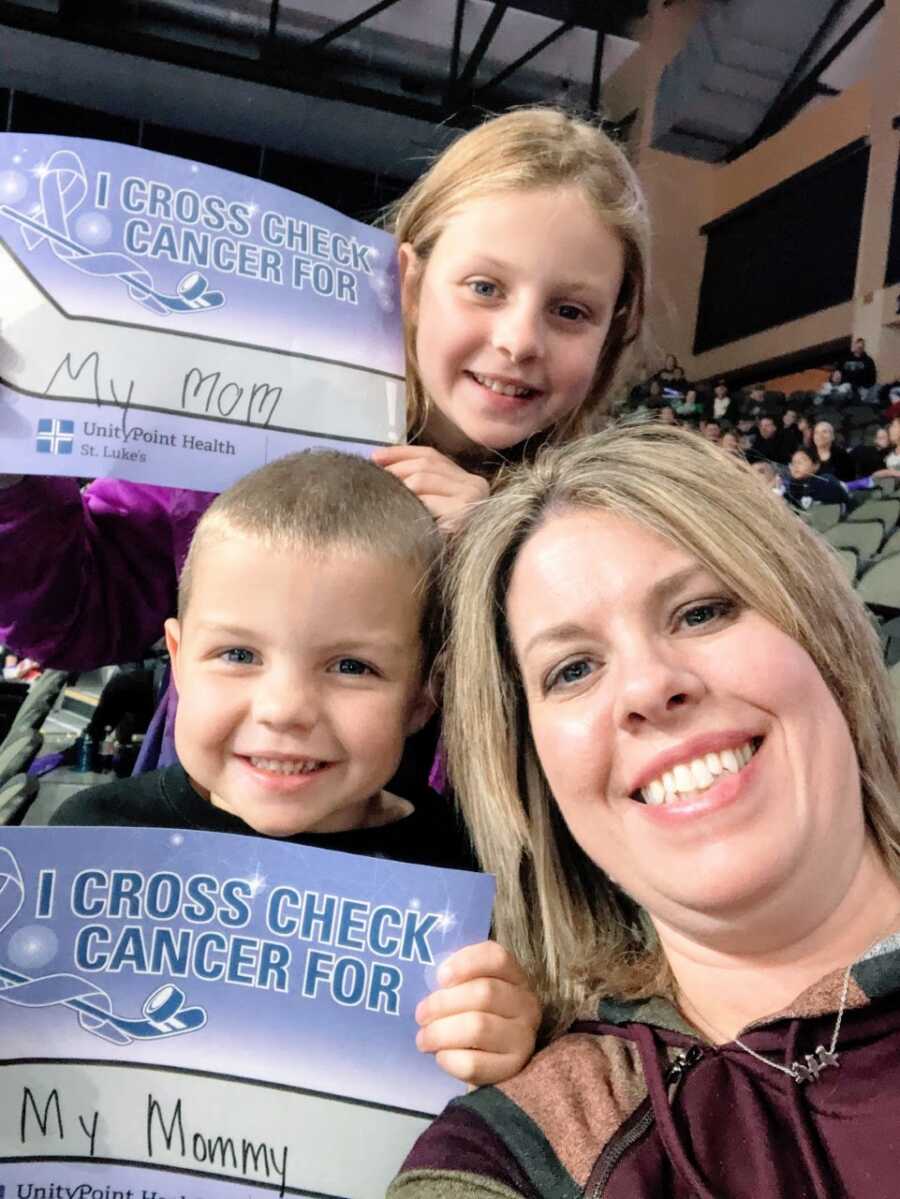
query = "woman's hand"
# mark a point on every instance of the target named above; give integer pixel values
(444, 488)
(481, 1024)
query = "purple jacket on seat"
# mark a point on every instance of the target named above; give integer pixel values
(88, 578)
(634, 1105)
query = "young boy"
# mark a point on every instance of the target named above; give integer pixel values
(307, 624)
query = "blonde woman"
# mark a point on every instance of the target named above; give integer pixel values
(671, 732)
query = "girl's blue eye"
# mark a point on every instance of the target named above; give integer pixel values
(352, 666)
(484, 289)
(239, 656)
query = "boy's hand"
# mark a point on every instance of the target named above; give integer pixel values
(481, 1024)
(444, 488)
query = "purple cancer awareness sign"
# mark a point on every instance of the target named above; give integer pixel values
(235, 1011)
(168, 322)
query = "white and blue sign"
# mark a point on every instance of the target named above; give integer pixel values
(190, 324)
(235, 1010)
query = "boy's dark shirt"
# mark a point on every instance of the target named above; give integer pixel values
(431, 835)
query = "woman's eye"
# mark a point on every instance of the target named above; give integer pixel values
(352, 666)
(238, 656)
(701, 614)
(571, 673)
(483, 288)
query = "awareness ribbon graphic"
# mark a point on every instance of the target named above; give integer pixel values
(63, 189)
(164, 1014)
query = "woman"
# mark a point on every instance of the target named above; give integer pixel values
(671, 731)
(833, 460)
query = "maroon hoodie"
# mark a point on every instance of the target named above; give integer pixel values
(634, 1105)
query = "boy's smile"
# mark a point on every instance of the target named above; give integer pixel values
(298, 676)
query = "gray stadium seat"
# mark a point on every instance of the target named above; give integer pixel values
(849, 559)
(823, 516)
(16, 795)
(863, 536)
(887, 511)
(17, 752)
(880, 585)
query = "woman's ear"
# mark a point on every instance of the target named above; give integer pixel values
(410, 268)
(172, 631)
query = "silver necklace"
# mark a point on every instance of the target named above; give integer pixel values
(813, 1063)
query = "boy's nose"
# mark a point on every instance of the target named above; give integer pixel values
(286, 701)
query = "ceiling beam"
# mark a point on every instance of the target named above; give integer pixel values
(597, 71)
(535, 50)
(609, 17)
(791, 99)
(347, 26)
(473, 62)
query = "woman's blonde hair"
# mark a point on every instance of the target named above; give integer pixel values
(522, 150)
(575, 932)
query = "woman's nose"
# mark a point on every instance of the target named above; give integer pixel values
(654, 684)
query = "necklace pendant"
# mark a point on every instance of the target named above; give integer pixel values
(813, 1065)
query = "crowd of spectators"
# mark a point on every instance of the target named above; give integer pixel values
(815, 446)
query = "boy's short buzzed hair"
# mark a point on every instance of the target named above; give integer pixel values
(321, 500)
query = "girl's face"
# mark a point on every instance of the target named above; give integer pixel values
(882, 441)
(512, 309)
(894, 431)
(704, 785)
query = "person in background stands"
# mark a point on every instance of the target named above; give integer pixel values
(859, 369)
(772, 442)
(833, 459)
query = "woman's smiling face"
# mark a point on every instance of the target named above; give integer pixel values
(693, 748)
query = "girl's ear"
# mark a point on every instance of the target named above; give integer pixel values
(173, 644)
(410, 266)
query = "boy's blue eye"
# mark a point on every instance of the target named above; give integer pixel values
(239, 656)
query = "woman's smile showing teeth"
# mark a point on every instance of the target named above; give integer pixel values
(685, 781)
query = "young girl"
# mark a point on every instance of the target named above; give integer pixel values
(523, 263)
(523, 258)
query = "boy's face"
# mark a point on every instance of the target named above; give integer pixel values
(802, 466)
(298, 678)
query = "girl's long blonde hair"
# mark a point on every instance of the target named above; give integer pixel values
(522, 150)
(573, 930)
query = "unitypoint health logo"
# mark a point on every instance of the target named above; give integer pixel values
(55, 437)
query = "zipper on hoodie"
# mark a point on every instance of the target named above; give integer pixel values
(638, 1123)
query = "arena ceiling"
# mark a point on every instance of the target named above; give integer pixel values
(381, 86)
